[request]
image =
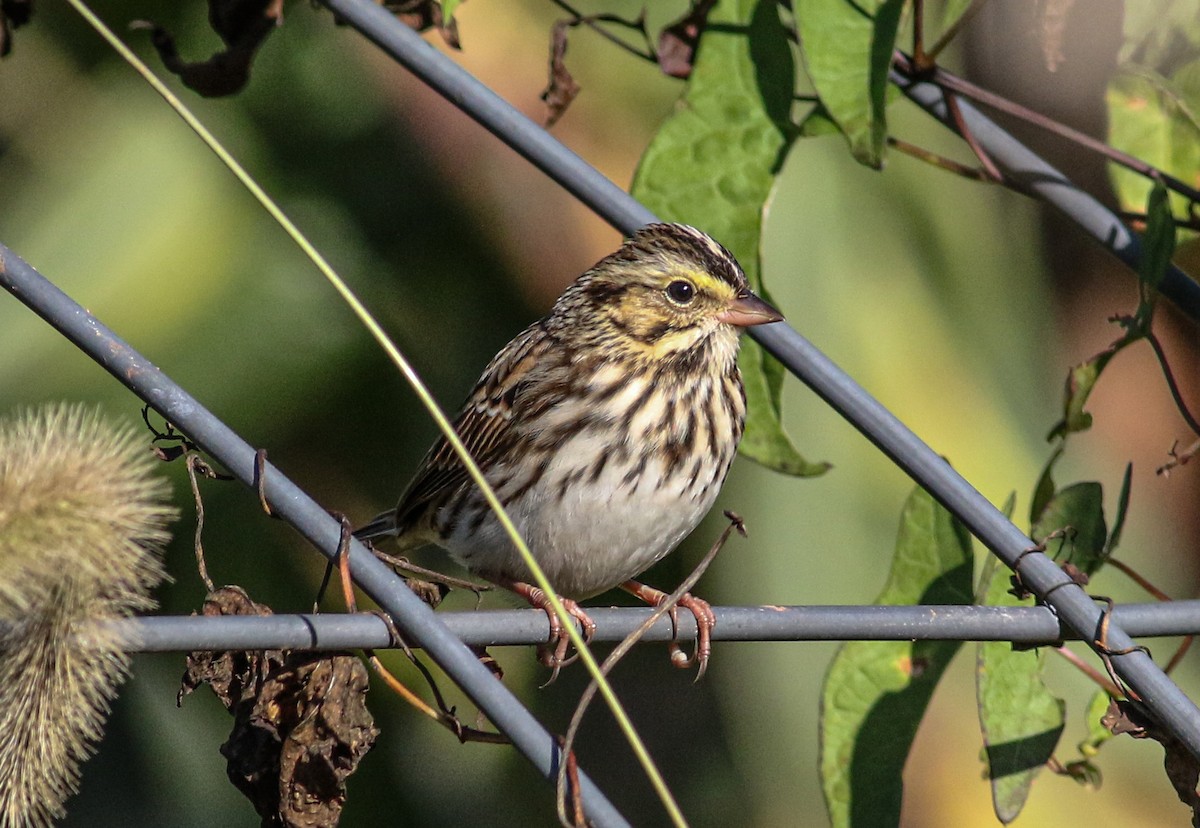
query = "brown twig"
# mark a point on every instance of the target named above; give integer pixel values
(193, 463)
(1184, 646)
(405, 565)
(952, 31)
(940, 161)
(1178, 458)
(593, 22)
(1171, 384)
(1106, 653)
(1091, 672)
(1138, 579)
(1158, 595)
(260, 469)
(989, 166)
(444, 714)
(735, 522)
(921, 60)
(953, 83)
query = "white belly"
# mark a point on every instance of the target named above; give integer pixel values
(591, 536)
(600, 514)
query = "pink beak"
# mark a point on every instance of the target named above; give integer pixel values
(747, 309)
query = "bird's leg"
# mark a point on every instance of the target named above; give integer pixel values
(705, 621)
(537, 598)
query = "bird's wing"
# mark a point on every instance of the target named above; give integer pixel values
(484, 425)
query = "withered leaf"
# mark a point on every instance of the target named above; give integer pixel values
(420, 15)
(300, 722)
(243, 25)
(1182, 768)
(562, 88)
(677, 43)
(228, 673)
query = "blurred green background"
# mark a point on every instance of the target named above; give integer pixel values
(959, 305)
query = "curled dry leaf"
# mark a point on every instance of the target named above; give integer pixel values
(243, 25)
(301, 724)
(1182, 768)
(677, 43)
(562, 88)
(420, 15)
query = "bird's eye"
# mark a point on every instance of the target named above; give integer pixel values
(681, 292)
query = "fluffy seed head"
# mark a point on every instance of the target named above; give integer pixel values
(82, 524)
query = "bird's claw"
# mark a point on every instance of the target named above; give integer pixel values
(557, 657)
(706, 619)
(553, 653)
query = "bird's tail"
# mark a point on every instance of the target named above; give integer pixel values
(380, 526)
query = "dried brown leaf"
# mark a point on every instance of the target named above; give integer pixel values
(1182, 768)
(677, 43)
(562, 88)
(421, 15)
(225, 671)
(243, 25)
(301, 724)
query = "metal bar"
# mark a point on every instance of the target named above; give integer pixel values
(1166, 701)
(501, 628)
(415, 620)
(1030, 172)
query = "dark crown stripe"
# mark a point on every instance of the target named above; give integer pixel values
(684, 242)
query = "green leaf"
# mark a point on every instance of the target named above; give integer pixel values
(1154, 33)
(764, 440)
(448, 9)
(847, 49)
(1080, 508)
(1010, 505)
(713, 165)
(1097, 733)
(1122, 508)
(1020, 718)
(1158, 245)
(818, 122)
(1044, 490)
(876, 691)
(1080, 381)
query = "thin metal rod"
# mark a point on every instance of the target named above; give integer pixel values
(500, 628)
(1166, 701)
(1025, 169)
(416, 621)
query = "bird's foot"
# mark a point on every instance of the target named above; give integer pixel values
(705, 621)
(553, 653)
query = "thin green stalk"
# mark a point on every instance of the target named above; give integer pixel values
(443, 423)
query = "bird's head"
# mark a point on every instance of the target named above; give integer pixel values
(669, 291)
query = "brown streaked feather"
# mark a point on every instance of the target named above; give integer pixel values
(483, 425)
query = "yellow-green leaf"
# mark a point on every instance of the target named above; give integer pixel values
(1020, 718)
(847, 47)
(876, 691)
(713, 164)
